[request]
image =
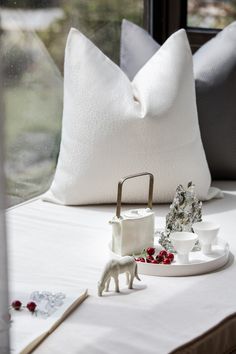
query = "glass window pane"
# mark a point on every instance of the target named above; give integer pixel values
(211, 13)
(33, 41)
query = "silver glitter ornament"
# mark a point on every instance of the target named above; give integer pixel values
(185, 210)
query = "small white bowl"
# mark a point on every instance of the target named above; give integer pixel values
(183, 243)
(207, 232)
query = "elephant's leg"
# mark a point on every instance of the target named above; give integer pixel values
(127, 278)
(117, 284)
(131, 279)
(107, 284)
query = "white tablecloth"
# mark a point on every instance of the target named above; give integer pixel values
(60, 248)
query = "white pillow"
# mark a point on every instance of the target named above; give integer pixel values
(113, 127)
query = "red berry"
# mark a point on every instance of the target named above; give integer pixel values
(149, 258)
(170, 256)
(154, 261)
(16, 305)
(162, 253)
(140, 259)
(166, 261)
(150, 251)
(159, 259)
(31, 306)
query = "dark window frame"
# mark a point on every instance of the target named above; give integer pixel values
(163, 17)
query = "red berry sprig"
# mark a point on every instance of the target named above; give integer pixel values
(148, 256)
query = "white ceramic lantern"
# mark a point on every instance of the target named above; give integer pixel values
(133, 230)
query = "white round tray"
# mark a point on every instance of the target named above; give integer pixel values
(199, 263)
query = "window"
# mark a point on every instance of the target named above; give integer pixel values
(202, 19)
(205, 18)
(33, 37)
(211, 13)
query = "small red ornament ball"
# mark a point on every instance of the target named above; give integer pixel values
(166, 261)
(159, 259)
(163, 253)
(171, 256)
(150, 251)
(154, 261)
(16, 304)
(31, 306)
(149, 259)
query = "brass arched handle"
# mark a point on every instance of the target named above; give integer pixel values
(120, 185)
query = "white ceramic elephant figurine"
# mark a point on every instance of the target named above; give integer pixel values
(115, 267)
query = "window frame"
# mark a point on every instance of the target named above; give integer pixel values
(163, 17)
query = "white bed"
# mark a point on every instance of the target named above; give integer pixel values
(54, 247)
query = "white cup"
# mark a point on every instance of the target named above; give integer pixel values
(183, 243)
(207, 232)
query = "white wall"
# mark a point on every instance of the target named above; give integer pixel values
(4, 336)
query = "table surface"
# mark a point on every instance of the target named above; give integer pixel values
(59, 248)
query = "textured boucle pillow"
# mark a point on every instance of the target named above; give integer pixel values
(215, 79)
(113, 127)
